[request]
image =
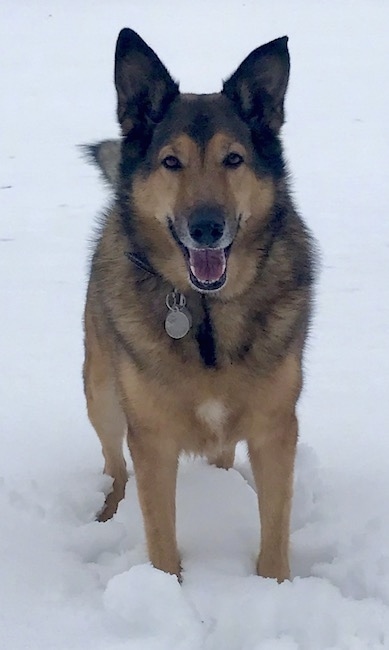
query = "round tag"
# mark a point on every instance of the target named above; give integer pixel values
(177, 324)
(187, 313)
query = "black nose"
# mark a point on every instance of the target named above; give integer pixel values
(206, 226)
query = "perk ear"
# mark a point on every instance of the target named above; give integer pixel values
(259, 85)
(144, 86)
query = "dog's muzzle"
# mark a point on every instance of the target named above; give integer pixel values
(205, 240)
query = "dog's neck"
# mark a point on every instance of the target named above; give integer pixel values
(178, 319)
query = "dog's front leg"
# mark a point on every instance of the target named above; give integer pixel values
(272, 462)
(155, 464)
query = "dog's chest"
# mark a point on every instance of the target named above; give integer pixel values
(211, 425)
(213, 414)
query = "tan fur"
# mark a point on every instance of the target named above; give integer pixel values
(164, 420)
(161, 410)
(163, 193)
(237, 373)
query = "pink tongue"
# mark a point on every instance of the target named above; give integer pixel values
(207, 264)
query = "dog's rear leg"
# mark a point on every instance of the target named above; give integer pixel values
(155, 464)
(107, 417)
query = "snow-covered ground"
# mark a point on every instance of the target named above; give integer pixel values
(69, 583)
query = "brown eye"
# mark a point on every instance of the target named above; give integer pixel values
(172, 163)
(233, 160)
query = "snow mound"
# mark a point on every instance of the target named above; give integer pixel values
(152, 608)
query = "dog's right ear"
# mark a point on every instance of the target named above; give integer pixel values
(144, 86)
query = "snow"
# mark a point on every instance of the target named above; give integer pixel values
(68, 582)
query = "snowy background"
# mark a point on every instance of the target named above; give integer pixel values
(69, 583)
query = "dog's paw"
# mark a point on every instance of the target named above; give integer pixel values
(273, 568)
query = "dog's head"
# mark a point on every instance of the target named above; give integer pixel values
(198, 172)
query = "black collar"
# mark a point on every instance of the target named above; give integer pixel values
(141, 262)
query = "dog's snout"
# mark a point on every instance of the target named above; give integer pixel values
(206, 226)
(206, 232)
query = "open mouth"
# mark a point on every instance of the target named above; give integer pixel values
(207, 267)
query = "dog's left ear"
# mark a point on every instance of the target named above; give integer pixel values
(259, 85)
(144, 86)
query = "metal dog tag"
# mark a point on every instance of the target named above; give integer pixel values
(177, 324)
(178, 320)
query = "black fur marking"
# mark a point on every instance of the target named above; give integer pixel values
(205, 337)
(259, 85)
(144, 85)
(268, 236)
(269, 159)
(200, 117)
(243, 350)
(126, 219)
(140, 260)
(134, 150)
(90, 153)
(276, 224)
(201, 129)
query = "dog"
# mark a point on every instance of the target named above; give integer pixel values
(200, 292)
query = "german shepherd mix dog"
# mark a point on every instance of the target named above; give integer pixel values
(200, 292)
